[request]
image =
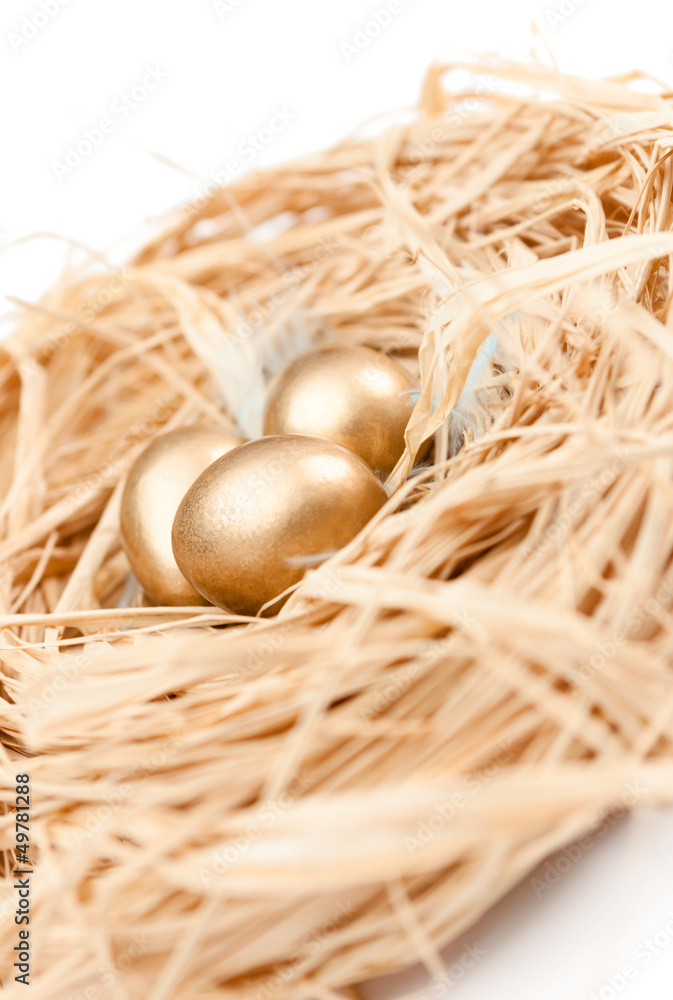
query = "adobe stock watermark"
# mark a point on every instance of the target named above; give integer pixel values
(107, 975)
(460, 108)
(248, 150)
(98, 815)
(550, 189)
(113, 286)
(368, 31)
(273, 640)
(427, 655)
(308, 948)
(70, 668)
(33, 24)
(136, 434)
(120, 110)
(613, 127)
(445, 811)
(555, 869)
(440, 987)
(224, 7)
(559, 14)
(644, 612)
(290, 280)
(643, 955)
(222, 860)
(417, 161)
(592, 491)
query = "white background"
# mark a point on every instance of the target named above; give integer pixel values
(226, 72)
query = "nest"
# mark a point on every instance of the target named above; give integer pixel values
(282, 808)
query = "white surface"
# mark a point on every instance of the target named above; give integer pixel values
(230, 67)
(589, 921)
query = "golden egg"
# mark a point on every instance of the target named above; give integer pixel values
(157, 482)
(253, 521)
(353, 395)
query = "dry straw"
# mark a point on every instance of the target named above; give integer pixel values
(285, 807)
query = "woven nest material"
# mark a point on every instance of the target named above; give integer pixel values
(289, 806)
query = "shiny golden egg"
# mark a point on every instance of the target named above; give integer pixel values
(353, 395)
(157, 482)
(255, 519)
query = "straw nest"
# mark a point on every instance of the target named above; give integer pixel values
(283, 807)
